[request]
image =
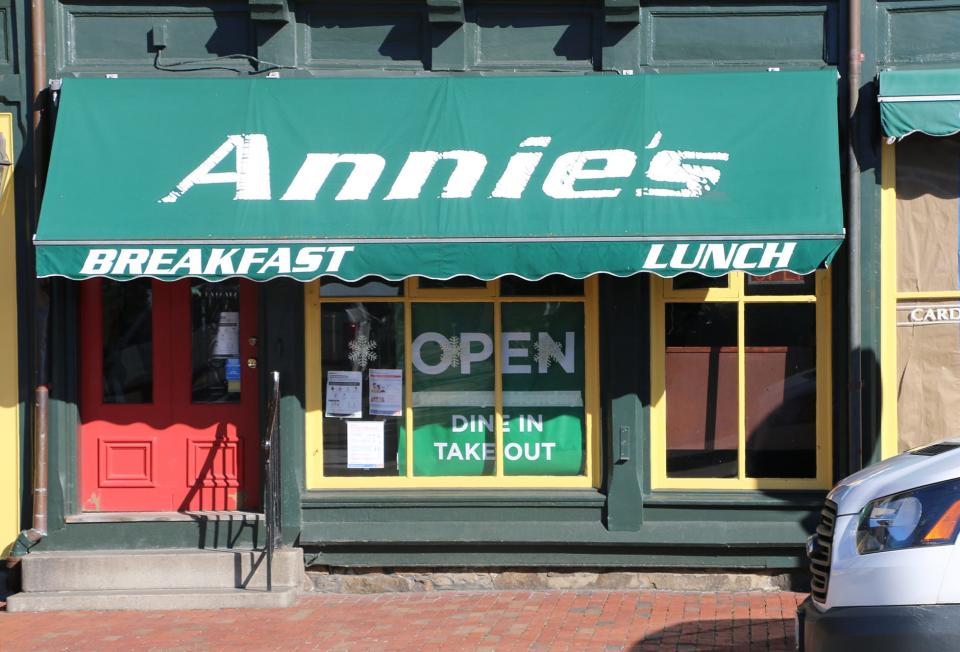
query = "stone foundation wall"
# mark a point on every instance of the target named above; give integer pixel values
(398, 580)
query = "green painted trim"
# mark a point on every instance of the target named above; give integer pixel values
(875, 42)
(500, 498)
(691, 532)
(747, 500)
(551, 556)
(152, 535)
(625, 370)
(64, 416)
(282, 323)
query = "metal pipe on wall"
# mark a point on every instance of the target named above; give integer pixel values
(29, 538)
(38, 33)
(855, 345)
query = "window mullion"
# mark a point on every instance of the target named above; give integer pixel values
(408, 383)
(498, 385)
(741, 393)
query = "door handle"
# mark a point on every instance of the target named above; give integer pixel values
(252, 363)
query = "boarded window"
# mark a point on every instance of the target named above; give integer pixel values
(928, 288)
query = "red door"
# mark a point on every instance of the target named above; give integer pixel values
(168, 402)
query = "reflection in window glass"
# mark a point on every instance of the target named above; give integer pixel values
(693, 281)
(362, 361)
(543, 388)
(215, 335)
(127, 341)
(781, 390)
(366, 287)
(555, 285)
(455, 283)
(701, 390)
(780, 283)
(453, 389)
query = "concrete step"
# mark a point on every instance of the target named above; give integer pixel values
(170, 570)
(147, 600)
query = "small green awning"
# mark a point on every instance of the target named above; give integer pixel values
(443, 176)
(927, 101)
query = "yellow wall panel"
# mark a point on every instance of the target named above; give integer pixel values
(9, 394)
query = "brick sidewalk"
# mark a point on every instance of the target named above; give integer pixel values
(502, 620)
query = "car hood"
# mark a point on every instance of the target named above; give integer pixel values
(901, 473)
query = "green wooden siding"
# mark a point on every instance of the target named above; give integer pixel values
(918, 33)
(322, 37)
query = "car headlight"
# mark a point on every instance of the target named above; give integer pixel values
(926, 516)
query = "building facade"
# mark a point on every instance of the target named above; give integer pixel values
(572, 396)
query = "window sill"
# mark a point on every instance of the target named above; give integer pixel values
(804, 498)
(319, 498)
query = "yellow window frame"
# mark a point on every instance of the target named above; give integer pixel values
(889, 297)
(413, 294)
(661, 294)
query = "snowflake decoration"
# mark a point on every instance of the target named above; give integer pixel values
(545, 351)
(363, 351)
(450, 352)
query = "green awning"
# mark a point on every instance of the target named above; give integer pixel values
(927, 101)
(443, 176)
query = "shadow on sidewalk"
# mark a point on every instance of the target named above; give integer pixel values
(754, 635)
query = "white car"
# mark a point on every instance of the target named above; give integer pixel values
(885, 559)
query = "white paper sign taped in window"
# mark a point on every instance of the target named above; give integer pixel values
(344, 394)
(364, 444)
(227, 341)
(386, 392)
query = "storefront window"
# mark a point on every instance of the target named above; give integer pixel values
(701, 375)
(543, 388)
(361, 339)
(454, 425)
(493, 391)
(363, 288)
(739, 400)
(927, 295)
(555, 285)
(455, 283)
(780, 388)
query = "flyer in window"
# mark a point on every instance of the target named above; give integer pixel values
(386, 392)
(364, 444)
(227, 341)
(344, 394)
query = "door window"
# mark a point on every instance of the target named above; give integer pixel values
(215, 339)
(127, 341)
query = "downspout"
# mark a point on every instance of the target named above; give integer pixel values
(38, 32)
(29, 538)
(855, 371)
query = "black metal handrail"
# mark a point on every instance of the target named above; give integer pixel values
(271, 467)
